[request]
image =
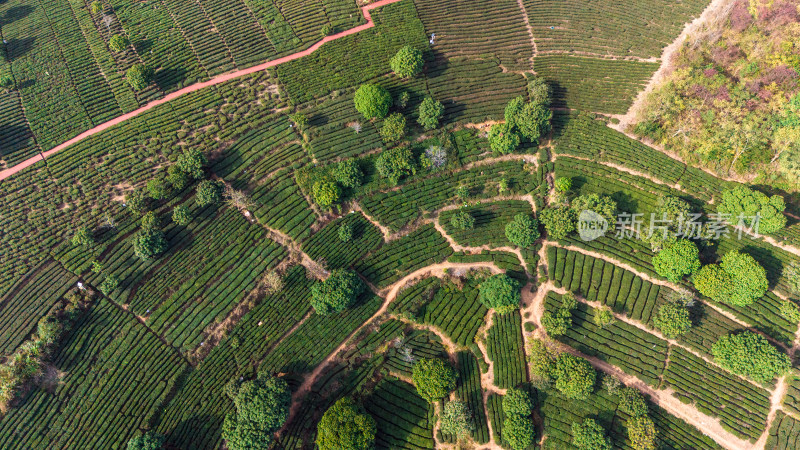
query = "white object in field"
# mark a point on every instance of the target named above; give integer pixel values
(433, 37)
(80, 286)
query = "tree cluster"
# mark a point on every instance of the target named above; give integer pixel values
(500, 293)
(522, 231)
(346, 425)
(262, 406)
(745, 202)
(557, 323)
(518, 430)
(337, 293)
(433, 378)
(738, 279)
(751, 355)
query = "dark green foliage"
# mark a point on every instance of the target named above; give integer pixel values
(558, 222)
(738, 279)
(563, 184)
(158, 188)
(337, 293)
(407, 62)
(181, 215)
(642, 433)
(345, 232)
(109, 284)
(348, 173)
(557, 323)
(503, 139)
(456, 419)
(522, 231)
(462, 220)
(500, 293)
(149, 243)
(136, 202)
(433, 378)
(346, 425)
(147, 441)
(178, 178)
(632, 402)
(531, 120)
(590, 435)
(601, 204)
(393, 128)
(751, 355)
(138, 76)
(395, 163)
(517, 402)
(190, 162)
(677, 260)
(326, 192)
(83, 237)
(372, 101)
(574, 377)
(518, 432)
(672, 319)
(262, 406)
(208, 192)
(742, 201)
(429, 113)
(119, 43)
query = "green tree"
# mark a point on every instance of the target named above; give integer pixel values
(6, 80)
(500, 293)
(574, 377)
(83, 237)
(191, 162)
(300, 120)
(110, 284)
(395, 163)
(632, 402)
(672, 319)
(372, 101)
(177, 178)
(532, 120)
(517, 402)
(96, 7)
(603, 317)
(181, 215)
(601, 204)
(394, 128)
(456, 419)
(743, 201)
(563, 184)
(149, 243)
(677, 260)
(147, 441)
(462, 220)
(337, 293)
(262, 407)
(559, 222)
(738, 279)
(345, 232)
(589, 435)
(462, 192)
(751, 355)
(672, 209)
(345, 425)
(208, 192)
(503, 139)
(139, 76)
(518, 432)
(136, 202)
(522, 231)
(642, 433)
(150, 220)
(430, 111)
(348, 173)
(539, 91)
(541, 360)
(433, 378)
(326, 192)
(407, 62)
(118, 43)
(158, 189)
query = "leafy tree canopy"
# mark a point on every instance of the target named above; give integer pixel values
(348, 173)
(632, 402)
(394, 128)
(118, 43)
(518, 432)
(563, 184)
(456, 419)
(149, 243)
(337, 293)
(672, 319)
(531, 120)
(751, 355)
(433, 378)
(742, 200)
(181, 215)
(589, 435)
(601, 204)
(503, 138)
(517, 402)
(407, 62)
(191, 162)
(209, 192)
(677, 260)
(158, 188)
(738, 279)
(500, 293)
(345, 425)
(138, 76)
(642, 433)
(326, 192)
(574, 377)
(522, 231)
(559, 222)
(345, 232)
(462, 220)
(147, 441)
(83, 237)
(429, 113)
(262, 407)
(395, 163)
(372, 101)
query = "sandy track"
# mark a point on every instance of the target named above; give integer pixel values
(196, 87)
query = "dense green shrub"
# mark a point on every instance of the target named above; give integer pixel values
(743, 201)
(589, 435)
(677, 260)
(136, 202)
(517, 402)
(181, 215)
(118, 43)
(110, 284)
(208, 192)
(456, 419)
(138, 76)
(751, 355)
(395, 163)
(433, 378)
(531, 120)
(407, 62)
(522, 231)
(601, 204)
(632, 402)
(326, 192)
(738, 279)
(500, 293)
(462, 220)
(158, 188)
(149, 243)
(372, 101)
(393, 128)
(790, 311)
(563, 184)
(83, 237)
(345, 425)
(503, 139)
(262, 406)
(337, 293)
(348, 173)
(559, 222)
(191, 162)
(672, 319)
(147, 441)
(345, 232)
(518, 432)
(96, 7)
(603, 317)
(429, 113)
(574, 377)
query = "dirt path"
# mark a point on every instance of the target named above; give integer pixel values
(198, 86)
(712, 12)
(389, 294)
(534, 49)
(776, 400)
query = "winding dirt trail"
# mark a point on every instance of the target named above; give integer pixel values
(198, 86)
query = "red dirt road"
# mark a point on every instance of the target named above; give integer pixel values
(196, 87)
